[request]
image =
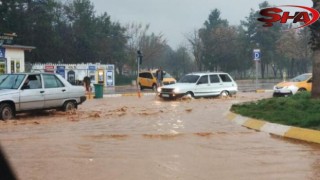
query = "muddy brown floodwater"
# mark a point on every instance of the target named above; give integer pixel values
(147, 138)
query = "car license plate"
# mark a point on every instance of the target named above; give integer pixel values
(165, 95)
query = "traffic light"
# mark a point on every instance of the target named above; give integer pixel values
(139, 55)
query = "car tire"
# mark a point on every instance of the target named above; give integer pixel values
(141, 87)
(302, 90)
(6, 111)
(69, 106)
(190, 94)
(224, 94)
(154, 87)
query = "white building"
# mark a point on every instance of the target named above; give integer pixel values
(12, 58)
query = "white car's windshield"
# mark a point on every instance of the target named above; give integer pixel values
(189, 79)
(300, 78)
(11, 81)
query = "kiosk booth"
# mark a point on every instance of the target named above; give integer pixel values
(12, 58)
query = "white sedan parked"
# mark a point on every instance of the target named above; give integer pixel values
(201, 85)
(37, 91)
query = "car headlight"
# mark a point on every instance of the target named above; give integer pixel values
(159, 89)
(176, 90)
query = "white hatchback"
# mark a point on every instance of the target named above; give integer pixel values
(201, 85)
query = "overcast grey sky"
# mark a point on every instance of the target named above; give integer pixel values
(177, 18)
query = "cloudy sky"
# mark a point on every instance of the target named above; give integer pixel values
(175, 19)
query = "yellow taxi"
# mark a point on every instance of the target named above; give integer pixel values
(147, 79)
(299, 83)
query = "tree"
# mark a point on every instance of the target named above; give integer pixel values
(33, 22)
(81, 17)
(294, 51)
(211, 35)
(262, 38)
(288, 48)
(305, 50)
(241, 53)
(151, 45)
(197, 49)
(315, 42)
(118, 53)
(181, 62)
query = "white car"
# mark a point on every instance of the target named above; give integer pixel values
(201, 85)
(37, 91)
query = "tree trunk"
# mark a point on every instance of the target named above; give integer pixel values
(291, 74)
(274, 69)
(315, 42)
(262, 65)
(315, 93)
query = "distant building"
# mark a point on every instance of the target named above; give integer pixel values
(12, 57)
(75, 73)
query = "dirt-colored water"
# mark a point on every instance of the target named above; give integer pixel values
(147, 138)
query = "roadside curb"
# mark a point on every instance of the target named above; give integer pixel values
(276, 129)
(128, 94)
(264, 90)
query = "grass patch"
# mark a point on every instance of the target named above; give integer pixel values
(298, 110)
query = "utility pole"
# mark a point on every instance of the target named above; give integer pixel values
(139, 62)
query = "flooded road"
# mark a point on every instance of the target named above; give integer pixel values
(147, 138)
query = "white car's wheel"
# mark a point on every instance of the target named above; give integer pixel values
(190, 94)
(141, 87)
(6, 111)
(69, 106)
(224, 94)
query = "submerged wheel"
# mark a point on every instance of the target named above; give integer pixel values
(302, 90)
(190, 94)
(154, 87)
(141, 87)
(224, 94)
(6, 111)
(69, 106)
